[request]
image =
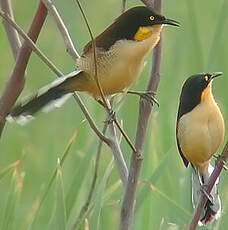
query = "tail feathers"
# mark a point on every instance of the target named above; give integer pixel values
(212, 209)
(53, 95)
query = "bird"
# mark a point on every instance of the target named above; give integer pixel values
(120, 51)
(199, 134)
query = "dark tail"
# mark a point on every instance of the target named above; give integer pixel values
(212, 209)
(52, 95)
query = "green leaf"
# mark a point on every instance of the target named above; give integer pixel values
(78, 180)
(47, 190)
(8, 169)
(12, 200)
(98, 198)
(58, 220)
(153, 179)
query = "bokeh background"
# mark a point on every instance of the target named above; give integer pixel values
(164, 201)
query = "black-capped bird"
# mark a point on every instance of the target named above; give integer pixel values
(200, 132)
(120, 51)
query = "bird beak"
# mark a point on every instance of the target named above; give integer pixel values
(170, 22)
(216, 74)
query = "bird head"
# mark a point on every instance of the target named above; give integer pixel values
(195, 90)
(138, 22)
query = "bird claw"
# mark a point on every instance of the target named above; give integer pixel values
(111, 117)
(147, 95)
(224, 163)
(150, 97)
(209, 196)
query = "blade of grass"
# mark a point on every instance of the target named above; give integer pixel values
(111, 190)
(195, 30)
(153, 179)
(58, 220)
(182, 211)
(12, 200)
(98, 198)
(8, 169)
(62, 159)
(219, 29)
(78, 179)
(86, 224)
(95, 204)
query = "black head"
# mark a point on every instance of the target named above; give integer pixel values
(127, 24)
(193, 90)
(143, 16)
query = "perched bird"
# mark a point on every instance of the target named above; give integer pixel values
(120, 51)
(199, 133)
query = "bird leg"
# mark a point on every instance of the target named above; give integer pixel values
(203, 190)
(147, 95)
(111, 117)
(203, 186)
(111, 114)
(224, 163)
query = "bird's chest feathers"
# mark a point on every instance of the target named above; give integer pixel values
(201, 131)
(119, 67)
(129, 55)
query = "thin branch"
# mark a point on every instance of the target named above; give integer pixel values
(85, 207)
(17, 80)
(62, 28)
(95, 57)
(111, 143)
(31, 44)
(55, 70)
(127, 209)
(90, 120)
(208, 187)
(105, 101)
(12, 34)
(118, 156)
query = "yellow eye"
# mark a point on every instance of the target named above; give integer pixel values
(151, 18)
(206, 78)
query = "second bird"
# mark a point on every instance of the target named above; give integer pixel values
(120, 51)
(200, 132)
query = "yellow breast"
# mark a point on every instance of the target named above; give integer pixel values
(201, 132)
(118, 68)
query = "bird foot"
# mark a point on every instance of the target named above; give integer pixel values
(147, 95)
(209, 196)
(224, 163)
(111, 117)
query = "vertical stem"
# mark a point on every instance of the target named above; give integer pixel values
(17, 80)
(127, 209)
(12, 34)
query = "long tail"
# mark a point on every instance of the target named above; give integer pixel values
(212, 209)
(53, 95)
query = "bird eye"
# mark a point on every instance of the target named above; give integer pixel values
(206, 78)
(151, 18)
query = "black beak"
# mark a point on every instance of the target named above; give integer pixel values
(170, 22)
(216, 74)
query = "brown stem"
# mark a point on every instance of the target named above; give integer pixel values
(12, 34)
(127, 209)
(17, 80)
(33, 46)
(208, 187)
(104, 100)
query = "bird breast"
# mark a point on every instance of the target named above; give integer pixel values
(201, 132)
(118, 67)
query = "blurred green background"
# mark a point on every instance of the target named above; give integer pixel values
(198, 46)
